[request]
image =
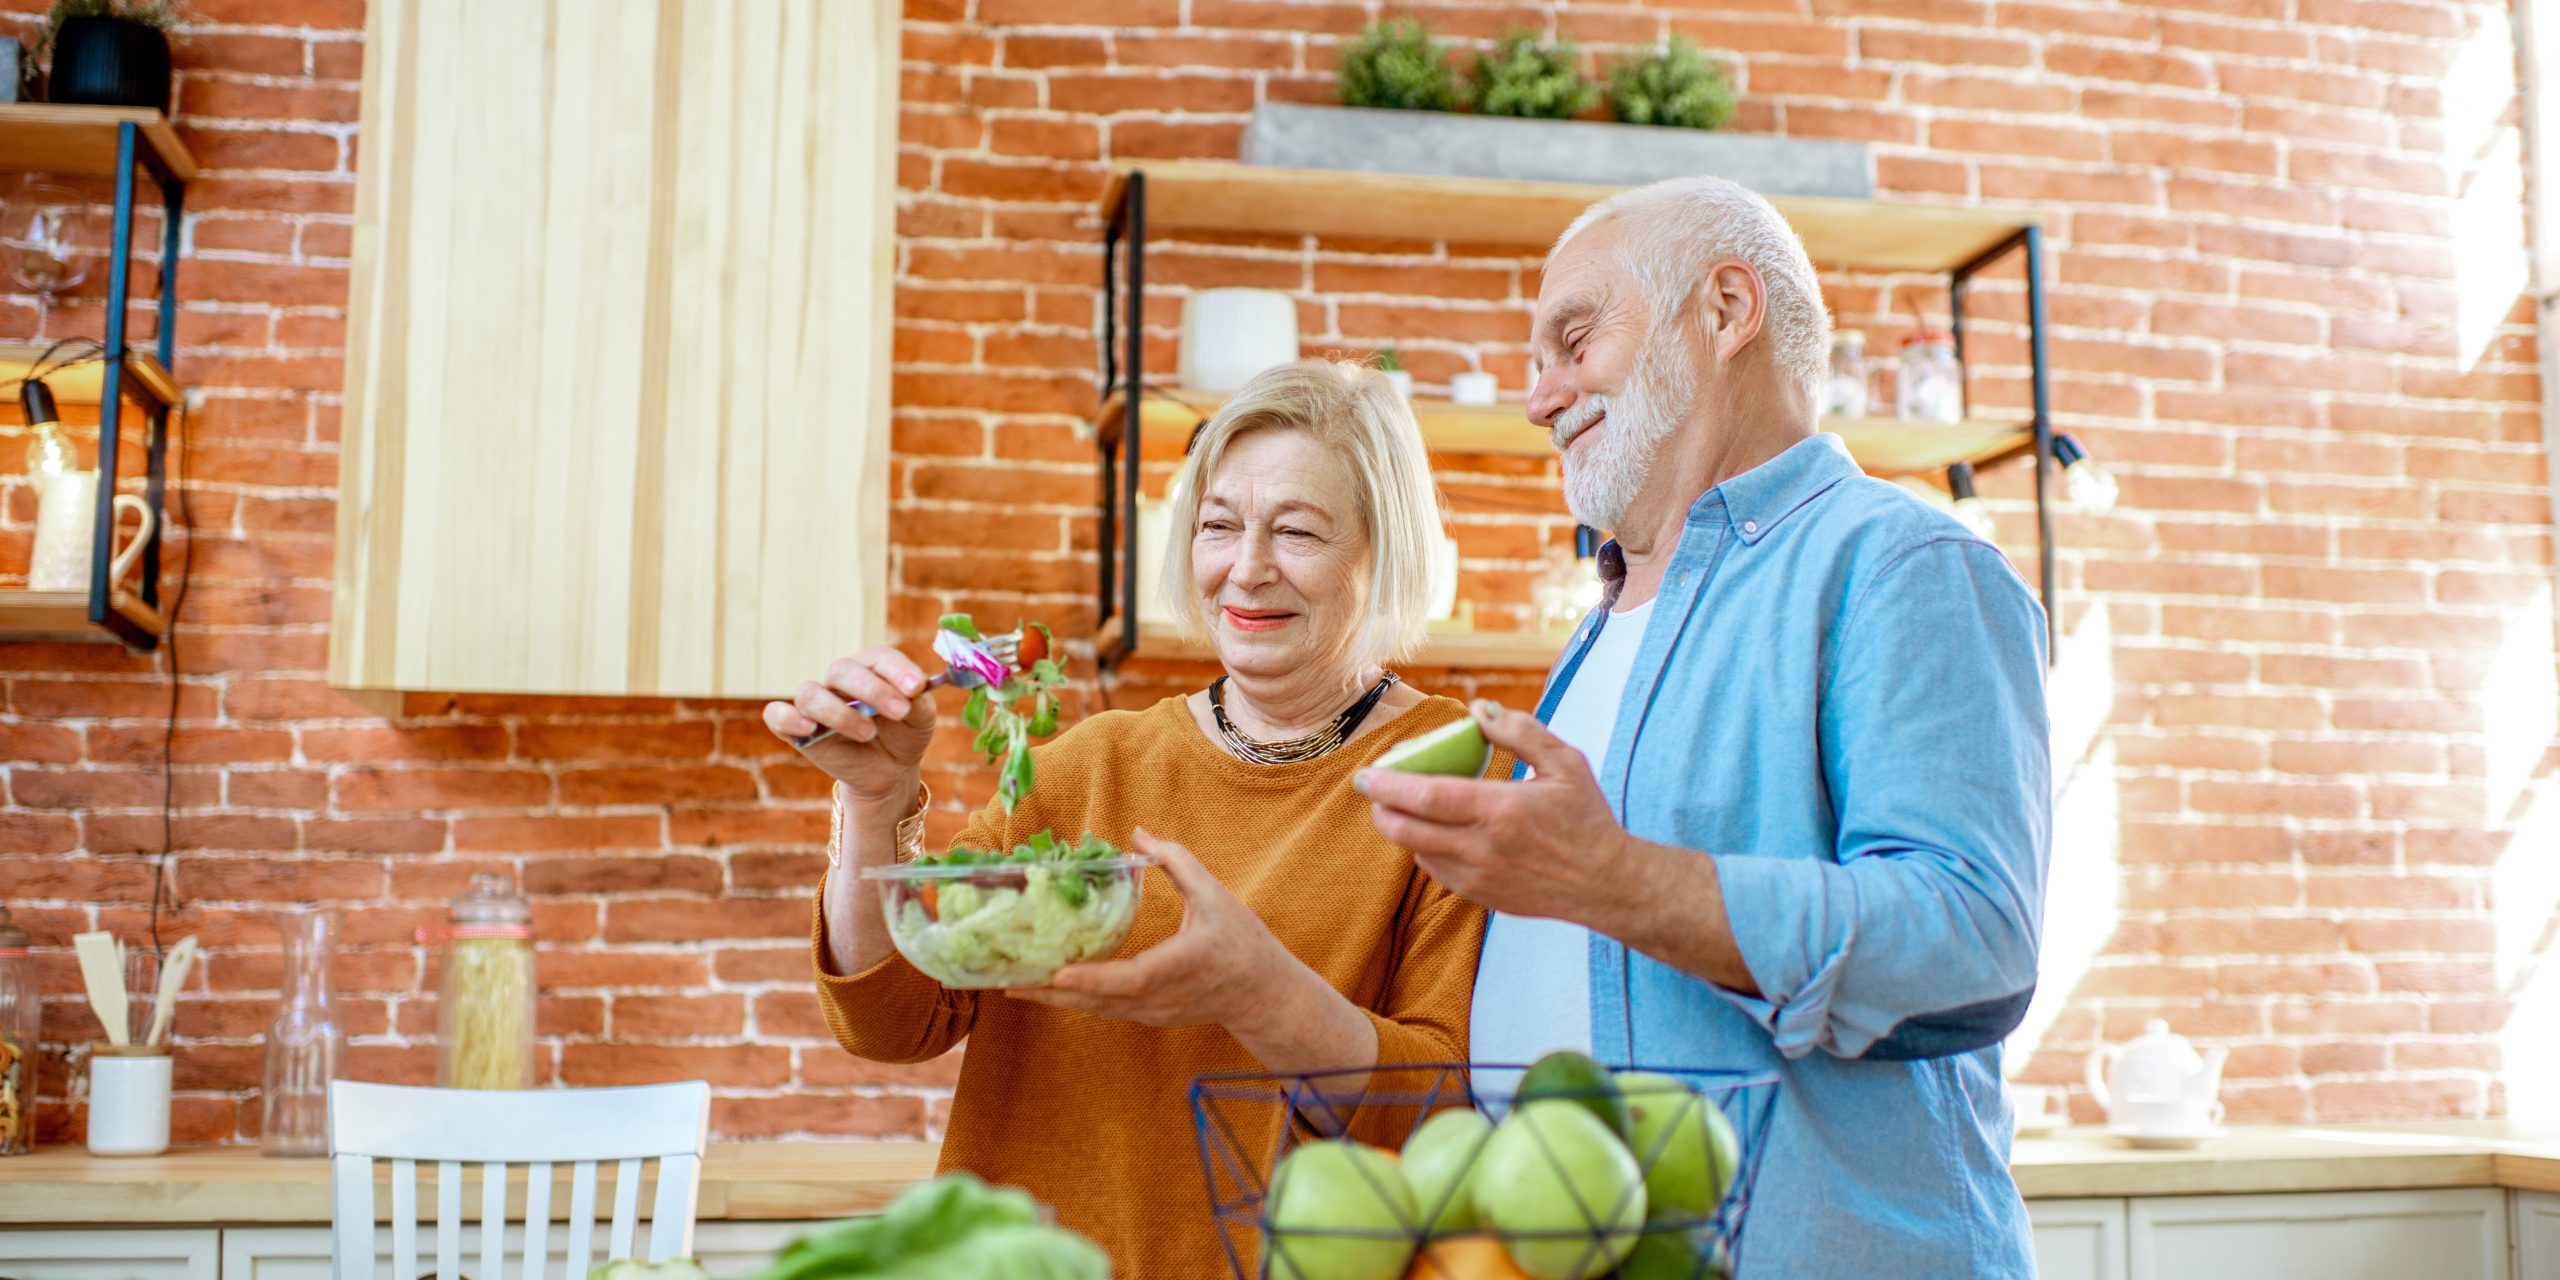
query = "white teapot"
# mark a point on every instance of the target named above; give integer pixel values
(2158, 1082)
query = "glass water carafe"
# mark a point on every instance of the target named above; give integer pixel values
(306, 1045)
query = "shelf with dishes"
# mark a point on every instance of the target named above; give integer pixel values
(1955, 242)
(77, 584)
(1886, 447)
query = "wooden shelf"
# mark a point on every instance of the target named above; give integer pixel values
(46, 137)
(1457, 650)
(83, 382)
(64, 615)
(1883, 446)
(1216, 196)
(1167, 417)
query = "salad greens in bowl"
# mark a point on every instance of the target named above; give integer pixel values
(976, 918)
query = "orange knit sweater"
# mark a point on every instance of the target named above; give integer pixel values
(1093, 1116)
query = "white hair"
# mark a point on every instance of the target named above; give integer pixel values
(1675, 229)
(1365, 419)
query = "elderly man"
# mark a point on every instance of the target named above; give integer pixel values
(1791, 796)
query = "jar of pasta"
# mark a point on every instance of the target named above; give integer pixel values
(484, 1016)
(18, 1020)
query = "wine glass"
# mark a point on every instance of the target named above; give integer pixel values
(41, 231)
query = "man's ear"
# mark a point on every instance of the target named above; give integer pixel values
(1731, 306)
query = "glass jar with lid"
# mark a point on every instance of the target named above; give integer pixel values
(19, 1019)
(484, 1010)
(1844, 389)
(1930, 385)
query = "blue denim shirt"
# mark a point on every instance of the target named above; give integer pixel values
(1840, 698)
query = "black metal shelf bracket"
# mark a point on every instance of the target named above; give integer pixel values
(114, 377)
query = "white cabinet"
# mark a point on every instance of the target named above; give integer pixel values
(302, 1253)
(2078, 1239)
(123, 1253)
(2364, 1235)
(2535, 1220)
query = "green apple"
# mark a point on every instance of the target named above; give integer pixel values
(1439, 1163)
(1561, 1190)
(1687, 1149)
(1321, 1194)
(1457, 748)
(1588, 1085)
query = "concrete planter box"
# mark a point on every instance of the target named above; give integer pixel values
(1445, 144)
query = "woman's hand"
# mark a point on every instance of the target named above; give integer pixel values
(1223, 966)
(877, 758)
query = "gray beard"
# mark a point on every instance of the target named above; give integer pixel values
(1602, 483)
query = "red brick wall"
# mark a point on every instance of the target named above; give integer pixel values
(2332, 523)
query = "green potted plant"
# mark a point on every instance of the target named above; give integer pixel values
(109, 52)
(1393, 366)
(1397, 91)
(1529, 79)
(1677, 86)
(1397, 66)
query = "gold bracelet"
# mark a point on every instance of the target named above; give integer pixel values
(911, 827)
(910, 836)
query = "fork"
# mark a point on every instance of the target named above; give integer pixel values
(1004, 650)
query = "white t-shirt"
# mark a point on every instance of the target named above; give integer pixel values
(1533, 984)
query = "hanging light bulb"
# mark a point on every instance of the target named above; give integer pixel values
(2090, 487)
(51, 455)
(1968, 508)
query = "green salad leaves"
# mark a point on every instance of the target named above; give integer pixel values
(952, 1226)
(1004, 732)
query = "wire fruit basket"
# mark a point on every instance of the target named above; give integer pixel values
(1482, 1171)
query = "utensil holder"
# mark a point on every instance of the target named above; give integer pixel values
(128, 1100)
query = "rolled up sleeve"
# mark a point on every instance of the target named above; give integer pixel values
(1919, 938)
(893, 1011)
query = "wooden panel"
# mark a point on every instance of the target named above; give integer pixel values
(617, 373)
(47, 137)
(1883, 446)
(1458, 650)
(1212, 196)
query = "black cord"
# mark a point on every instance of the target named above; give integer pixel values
(169, 647)
(39, 370)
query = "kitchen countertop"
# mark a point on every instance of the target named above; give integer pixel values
(806, 1180)
(2084, 1161)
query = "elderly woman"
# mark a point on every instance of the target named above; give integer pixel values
(1295, 937)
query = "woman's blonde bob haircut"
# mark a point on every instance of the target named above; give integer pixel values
(1361, 415)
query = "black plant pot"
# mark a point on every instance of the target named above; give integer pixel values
(110, 62)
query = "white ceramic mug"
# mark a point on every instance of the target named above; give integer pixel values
(2170, 1117)
(2039, 1106)
(1231, 334)
(1475, 386)
(128, 1101)
(66, 526)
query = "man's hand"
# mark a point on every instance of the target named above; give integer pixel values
(1546, 846)
(1550, 846)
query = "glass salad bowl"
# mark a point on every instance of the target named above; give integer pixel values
(972, 919)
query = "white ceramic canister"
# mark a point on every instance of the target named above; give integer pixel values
(128, 1100)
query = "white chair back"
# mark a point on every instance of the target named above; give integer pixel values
(538, 1129)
